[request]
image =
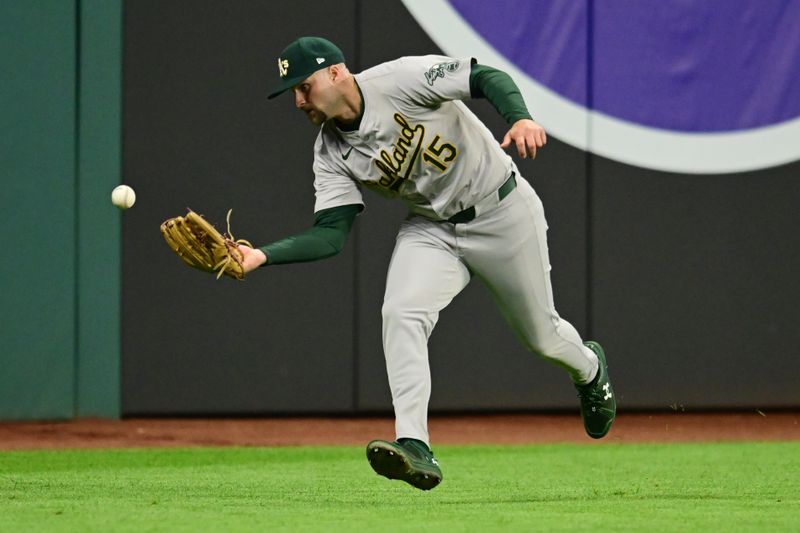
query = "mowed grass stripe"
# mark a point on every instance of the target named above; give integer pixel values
(623, 487)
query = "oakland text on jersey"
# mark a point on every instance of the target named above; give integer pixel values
(391, 165)
(411, 138)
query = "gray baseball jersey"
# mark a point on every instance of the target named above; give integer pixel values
(416, 141)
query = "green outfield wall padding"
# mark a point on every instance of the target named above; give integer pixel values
(59, 160)
(37, 97)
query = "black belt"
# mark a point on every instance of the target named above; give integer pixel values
(467, 215)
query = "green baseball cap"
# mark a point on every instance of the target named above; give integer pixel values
(303, 58)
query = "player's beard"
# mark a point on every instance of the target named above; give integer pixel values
(315, 116)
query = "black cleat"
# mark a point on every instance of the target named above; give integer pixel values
(409, 460)
(598, 405)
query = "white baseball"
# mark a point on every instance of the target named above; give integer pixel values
(123, 196)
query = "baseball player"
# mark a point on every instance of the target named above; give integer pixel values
(402, 130)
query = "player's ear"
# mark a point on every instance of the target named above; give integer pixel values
(337, 71)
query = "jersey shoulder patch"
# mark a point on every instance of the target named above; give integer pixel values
(440, 70)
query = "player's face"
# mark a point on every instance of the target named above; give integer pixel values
(314, 96)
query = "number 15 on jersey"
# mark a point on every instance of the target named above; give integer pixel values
(439, 155)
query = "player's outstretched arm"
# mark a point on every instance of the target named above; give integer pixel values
(326, 238)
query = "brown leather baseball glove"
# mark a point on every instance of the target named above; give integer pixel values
(201, 246)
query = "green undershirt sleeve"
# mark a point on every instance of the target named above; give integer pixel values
(501, 91)
(325, 239)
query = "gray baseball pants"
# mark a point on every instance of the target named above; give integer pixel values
(506, 248)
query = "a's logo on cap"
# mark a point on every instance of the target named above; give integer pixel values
(320, 60)
(283, 67)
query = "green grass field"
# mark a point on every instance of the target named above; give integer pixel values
(607, 487)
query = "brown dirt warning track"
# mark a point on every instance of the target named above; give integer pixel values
(464, 429)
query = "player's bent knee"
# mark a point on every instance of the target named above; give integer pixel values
(401, 313)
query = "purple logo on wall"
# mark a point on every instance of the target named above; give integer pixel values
(706, 87)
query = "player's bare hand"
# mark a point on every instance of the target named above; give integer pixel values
(527, 135)
(252, 258)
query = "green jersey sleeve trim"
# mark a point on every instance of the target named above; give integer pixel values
(501, 91)
(325, 239)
